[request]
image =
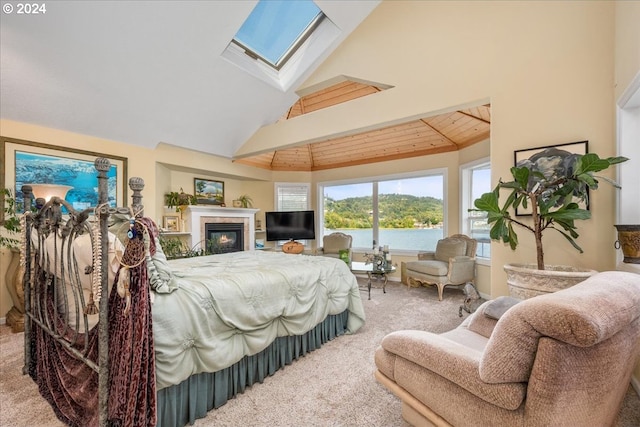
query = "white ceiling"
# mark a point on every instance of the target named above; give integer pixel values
(144, 72)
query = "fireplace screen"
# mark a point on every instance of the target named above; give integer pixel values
(222, 238)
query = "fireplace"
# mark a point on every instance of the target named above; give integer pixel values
(224, 237)
(199, 216)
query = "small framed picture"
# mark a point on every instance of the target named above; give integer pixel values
(170, 222)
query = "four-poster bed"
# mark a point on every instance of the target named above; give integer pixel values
(172, 339)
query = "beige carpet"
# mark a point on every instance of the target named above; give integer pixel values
(332, 386)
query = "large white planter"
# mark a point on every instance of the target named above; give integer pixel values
(526, 281)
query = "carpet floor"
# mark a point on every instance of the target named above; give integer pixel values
(330, 387)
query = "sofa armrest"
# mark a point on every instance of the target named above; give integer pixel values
(462, 269)
(453, 361)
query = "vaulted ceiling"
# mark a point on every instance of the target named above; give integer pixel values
(427, 135)
(114, 71)
(145, 73)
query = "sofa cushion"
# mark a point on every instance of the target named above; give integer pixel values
(449, 248)
(434, 353)
(432, 268)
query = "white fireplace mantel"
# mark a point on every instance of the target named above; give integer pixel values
(197, 215)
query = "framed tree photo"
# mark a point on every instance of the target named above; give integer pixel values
(208, 192)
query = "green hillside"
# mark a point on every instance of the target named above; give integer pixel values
(396, 211)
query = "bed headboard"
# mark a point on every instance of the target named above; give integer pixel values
(68, 271)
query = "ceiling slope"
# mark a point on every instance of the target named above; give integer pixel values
(144, 72)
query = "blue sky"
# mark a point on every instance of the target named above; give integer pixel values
(274, 25)
(424, 186)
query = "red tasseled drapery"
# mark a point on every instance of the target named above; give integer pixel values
(71, 387)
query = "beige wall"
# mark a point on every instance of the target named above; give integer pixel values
(627, 44)
(546, 67)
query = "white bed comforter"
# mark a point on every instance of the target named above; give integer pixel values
(232, 305)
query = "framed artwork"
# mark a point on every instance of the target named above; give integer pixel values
(208, 192)
(29, 162)
(170, 222)
(547, 159)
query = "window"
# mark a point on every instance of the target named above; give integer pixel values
(406, 213)
(275, 29)
(280, 40)
(291, 196)
(476, 180)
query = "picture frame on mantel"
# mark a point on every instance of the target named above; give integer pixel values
(550, 156)
(208, 192)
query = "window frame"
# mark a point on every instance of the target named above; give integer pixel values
(374, 180)
(293, 48)
(466, 201)
(276, 202)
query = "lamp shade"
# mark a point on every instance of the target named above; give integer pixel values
(47, 191)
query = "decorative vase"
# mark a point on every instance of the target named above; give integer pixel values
(629, 242)
(237, 203)
(526, 281)
(293, 247)
(14, 282)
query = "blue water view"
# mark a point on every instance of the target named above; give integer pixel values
(418, 239)
(80, 174)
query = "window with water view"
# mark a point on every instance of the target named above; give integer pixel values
(406, 214)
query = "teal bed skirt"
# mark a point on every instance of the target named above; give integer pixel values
(183, 403)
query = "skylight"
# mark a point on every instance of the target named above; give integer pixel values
(276, 28)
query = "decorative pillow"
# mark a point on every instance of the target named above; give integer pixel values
(496, 308)
(344, 255)
(449, 248)
(161, 278)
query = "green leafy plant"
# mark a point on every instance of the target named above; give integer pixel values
(552, 194)
(11, 222)
(246, 201)
(176, 199)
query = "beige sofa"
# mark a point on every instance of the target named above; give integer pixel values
(562, 359)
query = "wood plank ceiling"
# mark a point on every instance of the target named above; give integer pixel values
(429, 135)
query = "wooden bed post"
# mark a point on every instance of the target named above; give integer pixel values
(103, 165)
(136, 184)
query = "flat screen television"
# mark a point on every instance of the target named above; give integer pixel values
(290, 225)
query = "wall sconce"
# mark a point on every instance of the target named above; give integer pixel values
(47, 191)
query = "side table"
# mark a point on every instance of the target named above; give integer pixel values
(362, 267)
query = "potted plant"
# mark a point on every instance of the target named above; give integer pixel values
(243, 201)
(177, 200)
(551, 184)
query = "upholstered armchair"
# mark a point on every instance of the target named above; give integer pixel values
(336, 244)
(453, 263)
(560, 359)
